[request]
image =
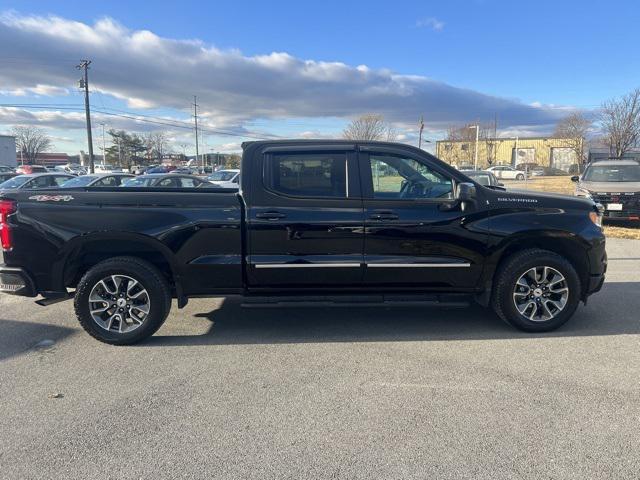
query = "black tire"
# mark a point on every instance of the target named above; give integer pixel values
(156, 285)
(520, 177)
(505, 283)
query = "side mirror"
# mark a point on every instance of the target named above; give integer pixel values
(575, 178)
(466, 192)
(500, 184)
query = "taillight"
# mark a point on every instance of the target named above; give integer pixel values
(7, 207)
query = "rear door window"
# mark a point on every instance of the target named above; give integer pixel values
(307, 174)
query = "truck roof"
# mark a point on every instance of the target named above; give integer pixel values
(614, 162)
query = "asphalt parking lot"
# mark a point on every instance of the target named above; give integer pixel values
(226, 392)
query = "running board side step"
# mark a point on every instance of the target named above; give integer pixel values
(391, 300)
(46, 301)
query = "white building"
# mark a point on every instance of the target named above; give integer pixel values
(8, 151)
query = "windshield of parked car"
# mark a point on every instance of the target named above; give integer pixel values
(612, 173)
(138, 182)
(482, 179)
(15, 182)
(79, 181)
(221, 176)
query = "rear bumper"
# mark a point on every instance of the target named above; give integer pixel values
(16, 281)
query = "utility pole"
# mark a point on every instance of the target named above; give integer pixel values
(195, 116)
(84, 83)
(421, 129)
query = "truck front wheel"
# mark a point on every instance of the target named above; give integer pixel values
(122, 300)
(536, 290)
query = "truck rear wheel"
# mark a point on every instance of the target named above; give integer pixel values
(536, 290)
(122, 300)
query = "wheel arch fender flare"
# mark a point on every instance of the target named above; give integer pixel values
(72, 251)
(566, 244)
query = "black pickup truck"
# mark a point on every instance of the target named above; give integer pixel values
(338, 222)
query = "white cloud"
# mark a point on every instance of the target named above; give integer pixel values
(432, 23)
(38, 90)
(152, 71)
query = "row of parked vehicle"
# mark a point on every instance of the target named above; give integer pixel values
(520, 172)
(15, 180)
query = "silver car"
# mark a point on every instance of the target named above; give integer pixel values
(615, 184)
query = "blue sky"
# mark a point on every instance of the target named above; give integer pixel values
(563, 53)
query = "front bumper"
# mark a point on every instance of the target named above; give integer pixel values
(599, 264)
(16, 281)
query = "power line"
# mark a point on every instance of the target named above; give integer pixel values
(144, 119)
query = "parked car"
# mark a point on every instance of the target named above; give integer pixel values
(298, 227)
(160, 169)
(528, 166)
(164, 180)
(484, 178)
(4, 176)
(34, 181)
(225, 178)
(106, 168)
(75, 169)
(615, 184)
(97, 180)
(7, 169)
(554, 172)
(29, 169)
(506, 172)
(184, 171)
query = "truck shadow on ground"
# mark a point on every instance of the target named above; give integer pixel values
(19, 337)
(614, 311)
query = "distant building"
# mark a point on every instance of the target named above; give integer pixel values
(51, 159)
(8, 150)
(543, 151)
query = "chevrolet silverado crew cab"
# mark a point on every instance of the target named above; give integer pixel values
(340, 222)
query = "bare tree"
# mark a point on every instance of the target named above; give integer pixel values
(371, 126)
(620, 120)
(573, 131)
(487, 137)
(157, 144)
(31, 141)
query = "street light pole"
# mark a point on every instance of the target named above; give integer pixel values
(104, 149)
(475, 160)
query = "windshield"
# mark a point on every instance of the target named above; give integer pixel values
(612, 173)
(221, 176)
(15, 182)
(482, 179)
(138, 182)
(78, 182)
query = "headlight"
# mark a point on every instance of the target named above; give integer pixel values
(596, 217)
(583, 192)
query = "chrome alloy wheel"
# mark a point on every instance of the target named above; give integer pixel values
(119, 303)
(541, 293)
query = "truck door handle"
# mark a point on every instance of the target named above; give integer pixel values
(270, 215)
(384, 215)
